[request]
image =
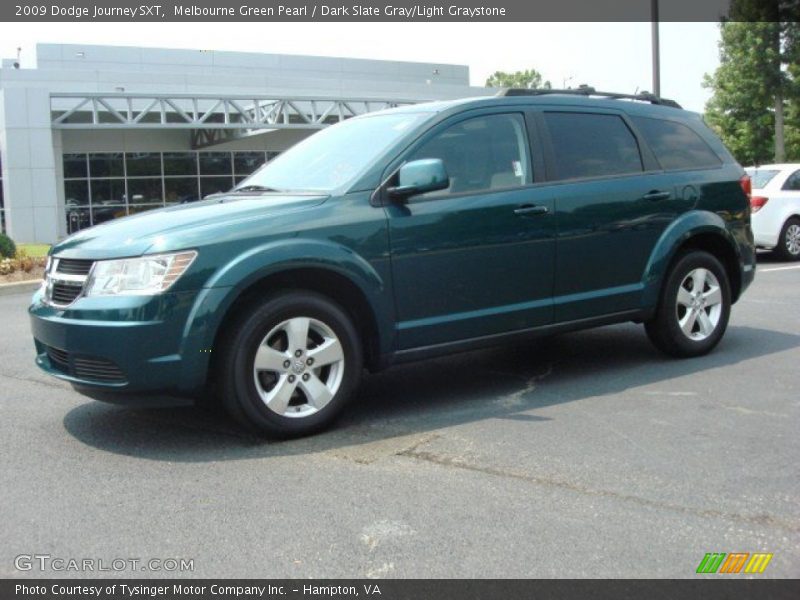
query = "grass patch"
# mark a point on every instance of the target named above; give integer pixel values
(34, 250)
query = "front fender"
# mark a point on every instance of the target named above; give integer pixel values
(280, 255)
(686, 226)
(227, 284)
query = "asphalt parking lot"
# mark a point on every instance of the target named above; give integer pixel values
(588, 455)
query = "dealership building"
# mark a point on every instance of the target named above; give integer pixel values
(93, 133)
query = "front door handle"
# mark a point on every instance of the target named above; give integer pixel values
(529, 210)
(656, 195)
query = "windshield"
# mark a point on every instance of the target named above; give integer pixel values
(333, 157)
(761, 177)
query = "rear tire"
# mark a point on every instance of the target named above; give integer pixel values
(694, 307)
(289, 364)
(788, 247)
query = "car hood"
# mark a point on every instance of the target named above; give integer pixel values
(166, 229)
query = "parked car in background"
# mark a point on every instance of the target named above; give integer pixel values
(402, 235)
(775, 204)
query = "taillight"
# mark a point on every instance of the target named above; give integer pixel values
(757, 203)
(747, 185)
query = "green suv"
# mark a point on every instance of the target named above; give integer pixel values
(402, 235)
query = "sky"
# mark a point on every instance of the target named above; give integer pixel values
(609, 56)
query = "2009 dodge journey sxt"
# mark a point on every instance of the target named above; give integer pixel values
(401, 235)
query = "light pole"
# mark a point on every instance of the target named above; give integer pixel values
(656, 58)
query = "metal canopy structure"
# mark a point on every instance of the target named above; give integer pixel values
(212, 118)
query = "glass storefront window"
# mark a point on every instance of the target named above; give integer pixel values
(101, 186)
(143, 164)
(76, 193)
(214, 185)
(102, 213)
(145, 191)
(178, 190)
(215, 163)
(245, 163)
(108, 191)
(76, 166)
(107, 164)
(77, 219)
(180, 163)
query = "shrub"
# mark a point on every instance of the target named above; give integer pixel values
(6, 266)
(26, 264)
(8, 249)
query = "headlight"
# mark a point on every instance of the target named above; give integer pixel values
(143, 276)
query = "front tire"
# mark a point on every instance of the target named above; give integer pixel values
(788, 247)
(289, 364)
(694, 307)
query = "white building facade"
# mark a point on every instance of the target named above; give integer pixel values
(93, 133)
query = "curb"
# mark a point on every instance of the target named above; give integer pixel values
(19, 287)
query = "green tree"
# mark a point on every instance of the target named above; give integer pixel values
(755, 103)
(529, 79)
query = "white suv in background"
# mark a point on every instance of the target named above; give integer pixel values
(775, 203)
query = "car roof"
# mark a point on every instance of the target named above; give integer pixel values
(642, 108)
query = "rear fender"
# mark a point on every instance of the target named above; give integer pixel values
(679, 232)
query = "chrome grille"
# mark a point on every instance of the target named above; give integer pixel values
(64, 293)
(71, 266)
(64, 280)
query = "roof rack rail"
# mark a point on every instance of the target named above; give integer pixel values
(585, 90)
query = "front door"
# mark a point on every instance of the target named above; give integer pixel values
(477, 258)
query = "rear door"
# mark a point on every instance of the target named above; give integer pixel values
(612, 203)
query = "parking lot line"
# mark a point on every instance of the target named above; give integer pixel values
(779, 269)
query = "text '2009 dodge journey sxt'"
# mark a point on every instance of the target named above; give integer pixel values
(406, 234)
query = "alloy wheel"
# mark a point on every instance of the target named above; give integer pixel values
(699, 304)
(298, 367)
(792, 239)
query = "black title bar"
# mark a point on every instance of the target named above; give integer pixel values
(379, 10)
(711, 588)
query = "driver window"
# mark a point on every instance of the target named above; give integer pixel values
(485, 153)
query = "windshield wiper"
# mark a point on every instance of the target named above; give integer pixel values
(256, 188)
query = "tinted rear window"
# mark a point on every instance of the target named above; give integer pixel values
(761, 177)
(592, 145)
(675, 145)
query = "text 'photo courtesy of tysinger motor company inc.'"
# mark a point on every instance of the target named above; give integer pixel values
(398, 299)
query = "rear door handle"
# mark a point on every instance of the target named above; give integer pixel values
(656, 195)
(530, 210)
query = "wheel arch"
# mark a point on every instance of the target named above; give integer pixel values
(330, 283)
(323, 266)
(697, 230)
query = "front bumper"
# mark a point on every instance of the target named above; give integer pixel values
(128, 344)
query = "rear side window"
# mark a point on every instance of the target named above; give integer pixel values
(675, 145)
(793, 182)
(761, 177)
(592, 145)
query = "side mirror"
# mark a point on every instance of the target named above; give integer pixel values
(419, 177)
